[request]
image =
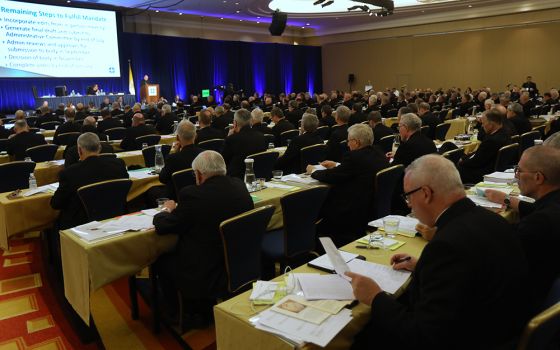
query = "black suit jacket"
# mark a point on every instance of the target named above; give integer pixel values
(328, 120)
(294, 116)
(46, 118)
(338, 134)
(380, 131)
(538, 232)
(4, 133)
(199, 251)
(223, 121)
(208, 133)
(19, 143)
(165, 123)
(128, 143)
(348, 206)
(91, 170)
(432, 121)
(71, 155)
(238, 146)
(69, 126)
(109, 123)
(357, 118)
(290, 162)
(415, 147)
(521, 124)
(483, 161)
(262, 127)
(177, 161)
(472, 272)
(280, 127)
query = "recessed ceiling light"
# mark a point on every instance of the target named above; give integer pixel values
(423, 11)
(258, 17)
(224, 1)
(237, 3)
(221, 17)
(68, 1)
(240, 20)
(302, 27)
(258, 22)
(470, 5)
(307, 24)
(180, 13)
(336, 18)
(237, 11)
(157, 11)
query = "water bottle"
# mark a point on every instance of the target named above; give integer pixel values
(249, 174)
(32, 181)
(158, 162)
(175, 127)
(288, 142)
(538, 142)
(72, 93)
(144, 145)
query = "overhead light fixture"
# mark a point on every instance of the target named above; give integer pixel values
(330, 2)
(318, 2)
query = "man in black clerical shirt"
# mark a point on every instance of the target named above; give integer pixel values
(530, 87)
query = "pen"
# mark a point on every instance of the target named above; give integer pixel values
(366, 247)
(402, 260)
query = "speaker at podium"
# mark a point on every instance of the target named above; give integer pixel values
(60, 91)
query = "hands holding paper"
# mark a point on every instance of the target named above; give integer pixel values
(365, 289)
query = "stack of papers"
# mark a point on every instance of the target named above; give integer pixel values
(407, 225)
(500, 177)
(320, 167)
(483, 202)
(50, 188)
(280, 186)
(95, 231)
(388, 279)
(142, 173)
(305, 179)
(324, 262)
(265, 292)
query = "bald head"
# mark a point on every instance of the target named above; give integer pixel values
(137, 119)
(553, 140)
(186, 131)
(544, 159)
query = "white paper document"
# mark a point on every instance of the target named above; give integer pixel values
(50, 188)
(325, 262)
(407, 225)
(141, 174)
(297, 307)
(301, 330)
(323, 287)
(304, 179)
(320, 167)
(129, 223)
(151, 212)
(277, 185)
(483, 202)
(501, 177)
(92, 231)
(388, 279)
(264, 290)
(338, 262)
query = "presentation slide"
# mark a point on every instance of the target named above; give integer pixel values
(57, 42)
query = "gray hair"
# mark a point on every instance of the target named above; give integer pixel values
(372, 100)
(90, 121)
(242, 117)
(515, 108)
(361, 133)
(343, 113)
(545, 159)
(186, 130)
(411, 121)
(20, 124)
(489, 102)
(209, 163)
(219, 110)
(257, 114)
(437, 172)
(89, 142)
(166, 108)
(553, 140)
(424, 105)
(309, 122)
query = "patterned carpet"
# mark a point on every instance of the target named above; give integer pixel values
(31, 318)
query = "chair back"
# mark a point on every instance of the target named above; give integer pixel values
(264, 163)
(300, 211)
(515, 139)
(343, 148)
(108, 155)
(541, 129)
(392, 113)
(183, 178)
(31, 120)
(386, 143)
(34, 130)
(443, 114)
(324, 132)
(149, 154)
(68, 138)
(535, 111)
(507, 157)
(15, 175)
(454, 155)
(313, 155)
(425, 130)
(213, 145)
(50, 125)
(269, 138)
(288, 135)
(3, 145)
(447, 146)
(105, 199)
(528, 140)
(441, 131)
(42, 153)
(386, 181)
(543, 330)
(241, 238)
(116, 133)
(149, 139)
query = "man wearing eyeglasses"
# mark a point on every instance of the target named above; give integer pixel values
(413, 143)
(538, 176)
(483, 161)
(471, 272)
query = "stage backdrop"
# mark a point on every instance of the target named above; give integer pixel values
(183, 66)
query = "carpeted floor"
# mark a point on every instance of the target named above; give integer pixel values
(31, 318)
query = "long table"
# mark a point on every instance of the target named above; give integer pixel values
(89, 266)
(234, 331)
(97, 100)
(33, 213)
(458, 126)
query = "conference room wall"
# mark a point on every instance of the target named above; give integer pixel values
(491, 57)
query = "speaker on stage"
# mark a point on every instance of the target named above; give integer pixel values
(351, 78)
(278, 23)
(60, 90)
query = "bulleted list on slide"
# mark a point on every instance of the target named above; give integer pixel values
(54, 41)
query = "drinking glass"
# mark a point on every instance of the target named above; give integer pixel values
(277, 175)
(391, 226)
(161, 202)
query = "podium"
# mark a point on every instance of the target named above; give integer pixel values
(149, 92)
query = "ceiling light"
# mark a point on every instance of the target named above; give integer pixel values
(330, 2)
(180, 13)
(237, 11)
(237, 3)
(318, 2)
(470, 5)
(157, 11)
(307, 24)
(68, 1)
(258, 22)
(221, 17)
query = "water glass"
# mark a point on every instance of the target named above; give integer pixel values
(161, 202)
(144, 145)
(277, 175)
(391, 226)
(271, 145)
(260, 183)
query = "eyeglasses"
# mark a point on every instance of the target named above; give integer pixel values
(517, 170)
(406, 195)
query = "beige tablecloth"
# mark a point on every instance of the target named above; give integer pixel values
(89, 266)
(233, 330)
(458, 126)
(32, 213)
